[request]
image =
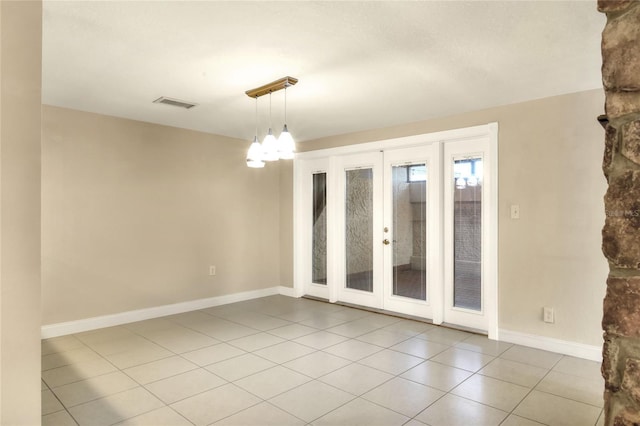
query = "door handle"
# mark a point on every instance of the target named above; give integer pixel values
(386, 242)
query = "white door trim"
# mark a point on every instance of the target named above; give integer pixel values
(489, 131)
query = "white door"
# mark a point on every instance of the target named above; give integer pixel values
(359, 229)
(388, 258)
(412, 261)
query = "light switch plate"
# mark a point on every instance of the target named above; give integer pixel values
(515, 211)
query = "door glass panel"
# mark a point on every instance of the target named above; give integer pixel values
(319, 238)
(409, 230)
(359, 229)
(467, 229)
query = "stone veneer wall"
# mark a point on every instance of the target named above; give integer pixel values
(621, 233)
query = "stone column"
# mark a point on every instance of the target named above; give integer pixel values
(621, 233)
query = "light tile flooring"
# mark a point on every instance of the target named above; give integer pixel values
(284, 361)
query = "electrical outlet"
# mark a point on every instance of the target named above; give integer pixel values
(547, 315)
(212, 270)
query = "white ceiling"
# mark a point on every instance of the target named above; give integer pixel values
(361, 65)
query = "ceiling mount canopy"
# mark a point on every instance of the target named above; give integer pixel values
(274, 86)
(271, 149)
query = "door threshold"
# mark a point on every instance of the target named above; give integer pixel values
(399, 315)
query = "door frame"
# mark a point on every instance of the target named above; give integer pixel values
(302, 240)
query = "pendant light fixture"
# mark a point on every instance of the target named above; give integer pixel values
(270, 143)
(255, 154)
(271, 149)
(286, 145)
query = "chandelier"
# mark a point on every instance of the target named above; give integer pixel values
(271, 149)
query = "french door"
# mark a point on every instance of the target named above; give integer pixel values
(405, 229)
(410, 233)
(359, 247)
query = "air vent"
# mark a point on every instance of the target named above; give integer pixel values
(174, 102)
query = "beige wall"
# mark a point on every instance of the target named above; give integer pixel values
(20, 97)
(550, 153)
(134, 213)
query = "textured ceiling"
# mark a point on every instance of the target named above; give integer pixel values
(361, 65)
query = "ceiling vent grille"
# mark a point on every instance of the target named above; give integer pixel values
(174, 102)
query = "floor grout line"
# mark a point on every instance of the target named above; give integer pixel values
(239, 317)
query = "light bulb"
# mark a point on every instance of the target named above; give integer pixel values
(286, 145)
(254, 155)
(270, 147)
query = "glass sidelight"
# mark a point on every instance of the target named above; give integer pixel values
(469, 246)
(467, 233)
(409, 222)
(359, 229)
(319, 233)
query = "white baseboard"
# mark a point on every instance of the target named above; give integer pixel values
(287, 291)
(87, 324)
(579, 350)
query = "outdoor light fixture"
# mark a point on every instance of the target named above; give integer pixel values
(271, 149)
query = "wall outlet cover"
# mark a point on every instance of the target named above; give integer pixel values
(548, 315)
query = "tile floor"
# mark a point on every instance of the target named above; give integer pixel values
(283, 361)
